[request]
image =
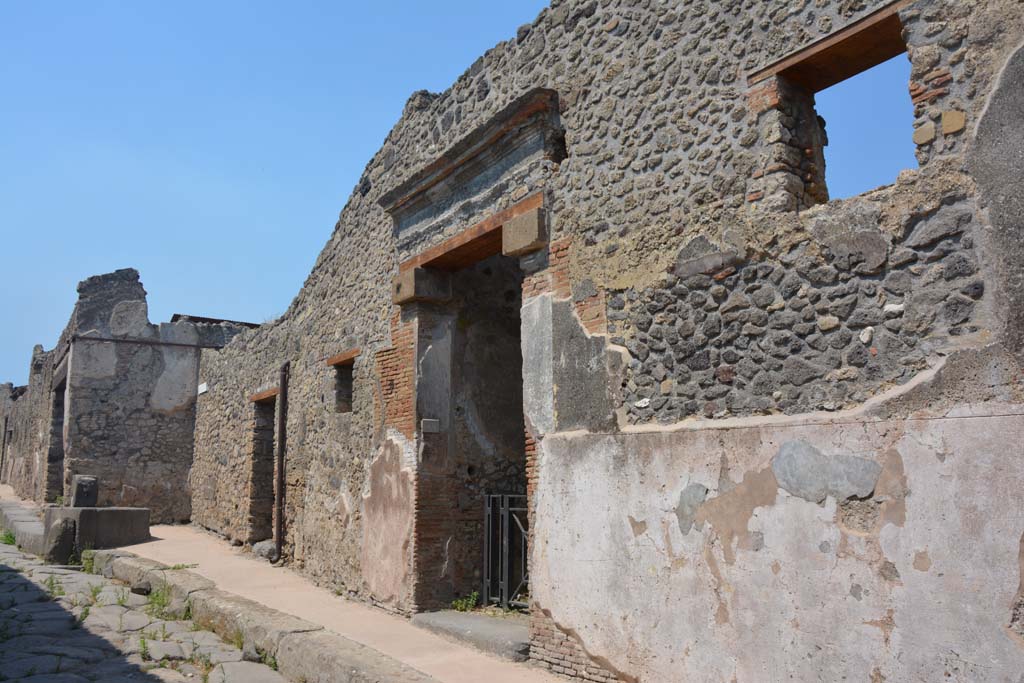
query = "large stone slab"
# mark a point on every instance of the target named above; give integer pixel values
(231, 616)
(325, 657)
(104, 527)
(506, 637)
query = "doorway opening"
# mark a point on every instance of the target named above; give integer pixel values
(480, 448)
(55, 455)
(487, 408)
(261, 481)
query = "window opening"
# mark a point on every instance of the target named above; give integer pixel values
(343, 368)
(869, 129)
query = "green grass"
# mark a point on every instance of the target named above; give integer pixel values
(8, 537)
(54, 587)
(158, 602)
(467, 603)
(89, 561)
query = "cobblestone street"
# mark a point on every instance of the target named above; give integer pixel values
(61, 625)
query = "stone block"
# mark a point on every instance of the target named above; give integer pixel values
(953, 122)
(924, 134)
(60, 541)
(84, 491)
(104, 527)
(421, 284)
(229, 616)
(325, 656)
(507, 638)
(525, 233)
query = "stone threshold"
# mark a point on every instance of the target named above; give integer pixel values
(505, 637)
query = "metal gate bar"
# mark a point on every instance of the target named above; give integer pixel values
(506, 530)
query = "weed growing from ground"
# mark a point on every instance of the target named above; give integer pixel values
(54, 587)
(159, 600)
(467, 603)
(88, 561)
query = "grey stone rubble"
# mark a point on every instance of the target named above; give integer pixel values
(59, 624)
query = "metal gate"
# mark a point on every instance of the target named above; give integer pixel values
(506, 578)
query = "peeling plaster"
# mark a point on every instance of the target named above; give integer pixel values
(831, 594)
(805, 472)
(1017, 608)
(387, 511)
(729, 514)
(690, 499)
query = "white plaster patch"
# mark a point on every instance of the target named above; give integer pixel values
(92, 360)
(175, 388)
(964, 508)
(130, 319)
(538, 373)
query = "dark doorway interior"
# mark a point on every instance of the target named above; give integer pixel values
(486, 444)
(261, 483)
(55, 456)
(7, 436)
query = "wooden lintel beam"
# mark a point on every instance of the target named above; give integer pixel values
(344, 358)
(265, 395)
(438, 255)
(855, 48)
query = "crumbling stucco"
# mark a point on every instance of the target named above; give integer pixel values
(765, 562)
(804, 471)
(388, 510)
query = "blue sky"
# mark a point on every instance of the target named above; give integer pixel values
(211, 145)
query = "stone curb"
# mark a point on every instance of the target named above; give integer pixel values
(28, 530)
(304, 651)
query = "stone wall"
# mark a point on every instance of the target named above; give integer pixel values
(824, 325)
(115, 399)
(693, 312)
(26, 465)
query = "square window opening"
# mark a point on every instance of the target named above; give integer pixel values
(843, 100)
(869, 124)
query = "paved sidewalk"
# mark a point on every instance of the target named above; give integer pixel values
(238, 572)
(282, 589)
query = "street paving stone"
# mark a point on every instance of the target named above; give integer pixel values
(62, 625)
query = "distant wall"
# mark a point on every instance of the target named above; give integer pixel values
(26, 465)
(129, 403)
